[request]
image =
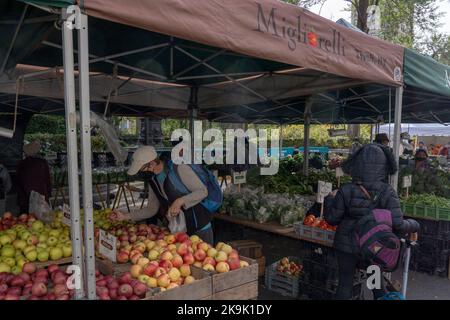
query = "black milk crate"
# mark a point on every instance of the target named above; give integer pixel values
(317, 293)
(286, 285)
(321, 254)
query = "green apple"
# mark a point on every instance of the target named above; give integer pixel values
(10, 261)
(52, 241)
(56, 253)
(67, 251)
(16, 270)
(31, 255)
(8, 251)
(25, 235)
(4, 267)
(12, 234)
(5, 239)
(43, 238)
(32, 239)
(54, 233)
(21, 262)
(42, 246)
(37, 226)
(63, 238)
(19, 244)
(28, 248)
(43, 256)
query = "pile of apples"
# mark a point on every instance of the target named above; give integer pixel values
(35, 284)
(30, 240)
(289, 267)
(169, 260)
(122, 288)
(133, 239)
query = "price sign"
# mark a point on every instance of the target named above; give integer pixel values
(407, 182)
(66, 215)
(323, 190)
(107, 245)
(339, 172)
(239, 177)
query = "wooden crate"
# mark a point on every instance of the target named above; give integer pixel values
(239, 284)
(60, 262)
(107, 267)
(247, 248)
(201, 289)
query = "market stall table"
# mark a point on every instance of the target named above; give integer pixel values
(269, 227)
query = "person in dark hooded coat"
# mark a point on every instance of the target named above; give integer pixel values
(370, 167)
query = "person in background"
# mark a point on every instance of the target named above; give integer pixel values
(421, 160)
(445, 150)
(422, 146)
(164, 197)
(33, 174)
(382, 138)
(347, 205)
(5, 187)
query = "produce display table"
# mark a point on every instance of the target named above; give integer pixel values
(268, 227)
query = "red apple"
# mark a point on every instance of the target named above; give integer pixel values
(209, 260)
(182, 249)
(188, 258)
(122, 257)
(17, 282)
(181, 237)
(140, 289)
(177, 261)
(113, 294)
(42, 273)
(29, 267)
(125, 278)
(234, 264)
(25, 276)
(101, 290)
(125, 290)
(39, 289)
(165, 264)
(52, 268)
(200, 255)
(150, 269)
(60, 289)
(113, 284)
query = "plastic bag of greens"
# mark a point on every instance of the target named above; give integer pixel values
(262, 215)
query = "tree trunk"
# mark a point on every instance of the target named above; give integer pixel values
(362, 6)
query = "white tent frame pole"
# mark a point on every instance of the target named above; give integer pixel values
(86, 156)
(72, 153)
(307, 123)
(397, 131)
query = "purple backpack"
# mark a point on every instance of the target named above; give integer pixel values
(375, 238)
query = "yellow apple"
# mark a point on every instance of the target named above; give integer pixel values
(56, 253)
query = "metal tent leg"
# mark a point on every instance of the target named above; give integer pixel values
(86, 154)
(397, 129)
(72, 156)
(307, 123)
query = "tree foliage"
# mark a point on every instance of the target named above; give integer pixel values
(411, 23)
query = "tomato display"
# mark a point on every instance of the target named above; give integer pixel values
(312, 221)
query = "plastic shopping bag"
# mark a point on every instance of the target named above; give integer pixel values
(177, 223)
(40, 207)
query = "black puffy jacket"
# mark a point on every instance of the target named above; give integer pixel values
(370, 167)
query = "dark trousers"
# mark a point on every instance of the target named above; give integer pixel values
(347, 264)
(206, 235)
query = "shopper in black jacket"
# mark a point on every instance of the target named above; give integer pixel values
(369, 166)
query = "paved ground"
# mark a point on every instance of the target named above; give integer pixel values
(421, 286)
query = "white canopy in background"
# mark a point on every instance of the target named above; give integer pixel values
(422, 130)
